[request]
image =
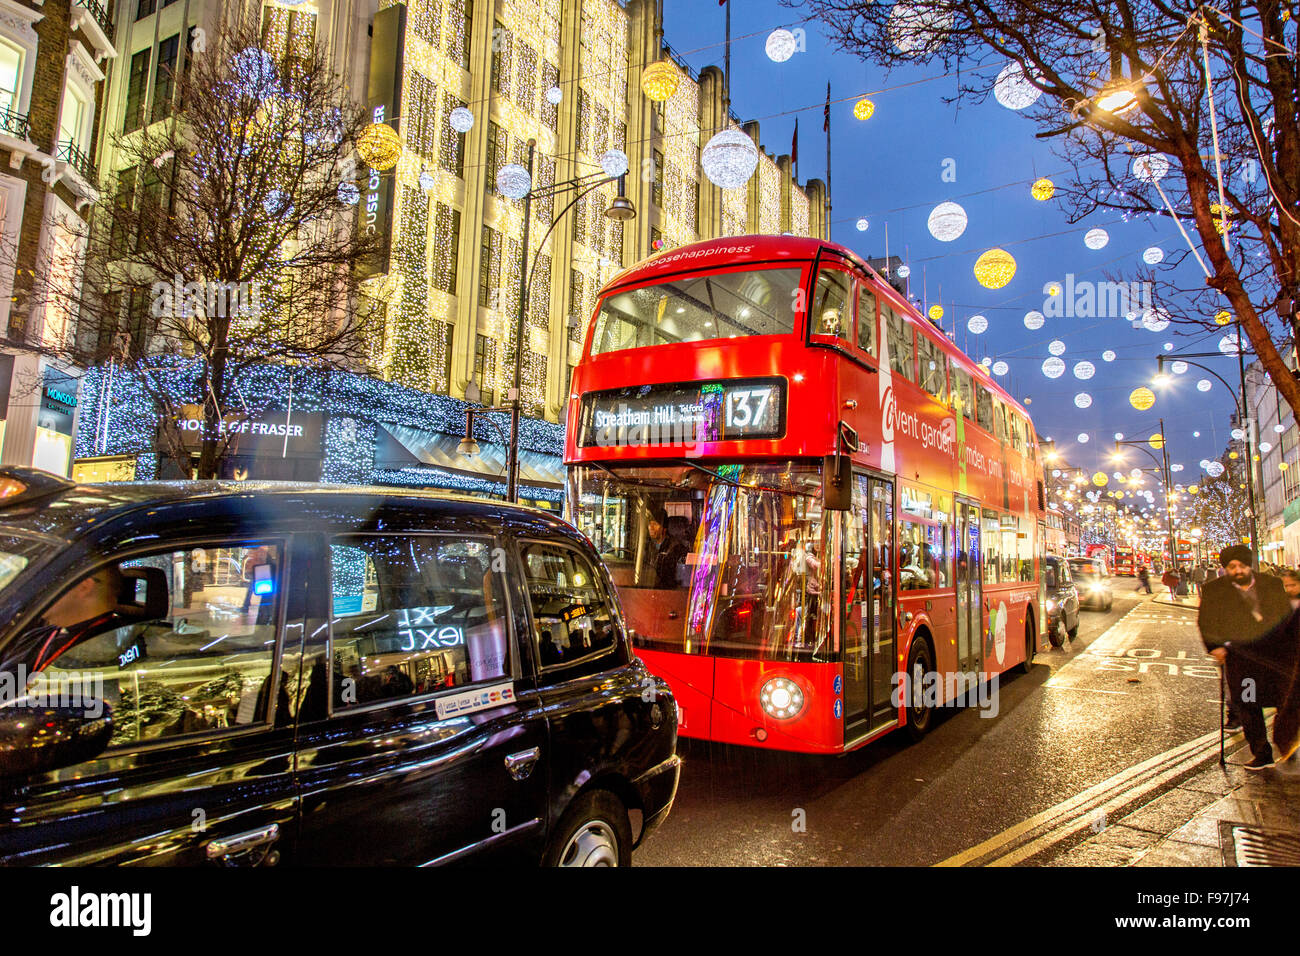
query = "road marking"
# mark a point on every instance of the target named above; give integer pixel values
(1067, 817)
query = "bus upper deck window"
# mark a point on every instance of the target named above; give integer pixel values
(984, 408)
(901, 346)
(866, 319)
(831, 313)
(934, 368)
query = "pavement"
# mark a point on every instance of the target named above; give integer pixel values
(1221, 815)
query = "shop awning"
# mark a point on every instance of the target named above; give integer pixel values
(400, 446)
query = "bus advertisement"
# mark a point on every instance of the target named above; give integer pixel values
(822, 520)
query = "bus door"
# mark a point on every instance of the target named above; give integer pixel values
(970, 617)
(869, 642)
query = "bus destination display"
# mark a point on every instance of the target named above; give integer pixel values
(675, 414)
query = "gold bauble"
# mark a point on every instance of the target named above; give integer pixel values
(995, 268)
(936, 312)
(1100, 479)
(1156, 441)
(660, 80)
(1222, 318)
(1042, 189)
(380, 146)
(1142, 398)
(863, 109)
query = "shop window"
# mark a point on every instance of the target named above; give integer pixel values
(414, 614)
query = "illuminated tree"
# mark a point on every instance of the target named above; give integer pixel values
(1121, 88)
(229, 241)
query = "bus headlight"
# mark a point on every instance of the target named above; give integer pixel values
(1051, 605)
(781, 698)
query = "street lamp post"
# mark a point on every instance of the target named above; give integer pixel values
(621, 210)
(1162, 467)
(1241, 417)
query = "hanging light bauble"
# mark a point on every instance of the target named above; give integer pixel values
(1142, 398)
(781, 45)
(1154, 255)
(1014, 89)
(863, 224)
(1156, 441)
(729, 159)
(863, 109)
(995, 268)
(904, 271)
(613, 162)
(1053, 367)
(461, 119)
(947, 221)
(1100, 479)
(1222, 318)
(554, 95)
(1096, 238)
(513, 181)
(1034, 320)
(1001, 368)
(660, 80)
(380, 146)
(936, 313)
(1151, 167)
(977, 325)
(1043, 189)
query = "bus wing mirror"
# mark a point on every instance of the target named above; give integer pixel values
(837, 483)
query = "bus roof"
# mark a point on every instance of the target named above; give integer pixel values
(767, 249)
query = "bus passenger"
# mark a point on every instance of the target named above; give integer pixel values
(667, 552)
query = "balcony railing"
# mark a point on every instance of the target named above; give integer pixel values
(15, 124)
(100, 13)
(68, 152)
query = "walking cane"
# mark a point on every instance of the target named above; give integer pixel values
(1223, 696)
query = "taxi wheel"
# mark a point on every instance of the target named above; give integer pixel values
(1056, 634)
(919, 663)
(594, 831)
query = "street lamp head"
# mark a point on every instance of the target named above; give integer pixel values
(621, 209)
(468, 446)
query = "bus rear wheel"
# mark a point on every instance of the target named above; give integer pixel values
(919, 664)
(1031, 644)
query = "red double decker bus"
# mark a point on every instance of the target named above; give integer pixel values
(822, 519)
(1128, 561)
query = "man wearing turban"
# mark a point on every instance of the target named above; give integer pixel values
(1248, 627)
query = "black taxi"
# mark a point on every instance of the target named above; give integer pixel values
(243, 674)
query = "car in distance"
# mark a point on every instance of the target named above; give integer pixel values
(1062, 601)
(241, 674)
(1092, 583)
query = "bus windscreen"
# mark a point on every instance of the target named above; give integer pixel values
(719, 305)
(729, 561)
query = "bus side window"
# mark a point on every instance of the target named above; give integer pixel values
(933, 365)
(1017, 431)
(866, 319)
(984, 408)
(989, 539)
(963, 393)
(831, 315)
(901, 347)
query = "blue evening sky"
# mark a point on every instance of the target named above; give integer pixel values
(890, 170)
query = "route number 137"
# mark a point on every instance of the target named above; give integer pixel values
(748, 408)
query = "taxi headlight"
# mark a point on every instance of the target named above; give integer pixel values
(781, 698)
(1051, 605)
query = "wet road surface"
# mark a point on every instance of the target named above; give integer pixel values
(1134, 684)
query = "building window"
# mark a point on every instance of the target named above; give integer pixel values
(144, 8)
(136, 86)
(11, 71)
(452, 154)
(448, 333)
(501, 59)
(118, 228)
(488, 244)
(164, 77)
(484, 369)
(447, 252)
(497, 155)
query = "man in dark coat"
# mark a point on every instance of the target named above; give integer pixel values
(667, 553)
(1247, 625)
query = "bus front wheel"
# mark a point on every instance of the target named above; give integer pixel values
(1031, 644)
(919, 664)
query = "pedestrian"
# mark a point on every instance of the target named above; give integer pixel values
(1198, 578)
(1291, 581)
(1248, 626)
(1170, 580)
(1144, 579)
